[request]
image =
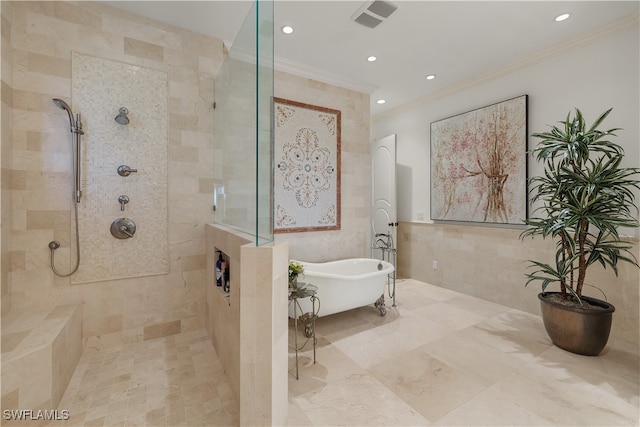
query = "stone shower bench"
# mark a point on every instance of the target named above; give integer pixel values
(40, 351)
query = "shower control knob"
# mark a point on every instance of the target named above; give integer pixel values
(123, 200)
(124, 170)
(123, 228)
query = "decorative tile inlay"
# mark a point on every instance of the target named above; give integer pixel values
(307, 180)
(100, 87)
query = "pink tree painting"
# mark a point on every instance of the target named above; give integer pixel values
(478, 165)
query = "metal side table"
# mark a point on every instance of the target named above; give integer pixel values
(304, 290)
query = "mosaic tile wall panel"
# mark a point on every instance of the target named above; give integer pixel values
(307, 173)
(100, 87)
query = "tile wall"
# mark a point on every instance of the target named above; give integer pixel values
(5, 153)
(352, 240)
(43, 36)
(100, 87)
(490, 263)
(249, 332)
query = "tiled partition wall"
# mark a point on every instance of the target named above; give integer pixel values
(43, 36)
(100, 87)
(250, 332)
(490, 263)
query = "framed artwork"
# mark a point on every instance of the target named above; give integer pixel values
(307, 167)
(479, 165)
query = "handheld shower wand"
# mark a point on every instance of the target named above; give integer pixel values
(76, 132)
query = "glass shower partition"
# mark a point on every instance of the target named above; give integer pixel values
(243, 136)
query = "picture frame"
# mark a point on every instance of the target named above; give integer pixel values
(479, 164)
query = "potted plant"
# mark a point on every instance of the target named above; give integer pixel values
(586, 196)
(295, 269)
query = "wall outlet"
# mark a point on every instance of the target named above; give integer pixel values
(420, 216)
(434, 265)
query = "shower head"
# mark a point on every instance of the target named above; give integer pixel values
(122, 116)
(61, 104)
(64, 106)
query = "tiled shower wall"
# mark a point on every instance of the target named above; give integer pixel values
(100, 87)
(5, 154)
(43, 36)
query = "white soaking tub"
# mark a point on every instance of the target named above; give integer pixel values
(345, 284)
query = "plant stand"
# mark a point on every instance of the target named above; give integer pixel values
(304, 290)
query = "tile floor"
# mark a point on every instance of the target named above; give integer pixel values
(445, 358)
(170, 381)
(438, 358)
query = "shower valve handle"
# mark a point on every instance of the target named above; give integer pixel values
(124, 170)
(123, 200)
(125, 230)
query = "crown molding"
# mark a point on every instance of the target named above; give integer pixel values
(291, 67)
(598, 34)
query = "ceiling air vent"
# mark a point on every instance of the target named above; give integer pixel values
(372, 13)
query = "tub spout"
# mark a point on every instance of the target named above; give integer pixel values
(380, 244)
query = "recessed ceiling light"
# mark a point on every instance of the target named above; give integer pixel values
(430, 77)
(562, 17)
(371, 58)
(287, 29)
(380, 101)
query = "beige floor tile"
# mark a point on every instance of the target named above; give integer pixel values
(474, 358)
(331, 365)
(151, 383)
(430, 386)
(485, 411)
(515, 333)
(561, 403)
(359, 400)
(477, 363)
(614, 372)
(375, 345)
(477, 305)
(449, 315)
(297, 417)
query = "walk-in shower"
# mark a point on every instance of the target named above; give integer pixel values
(76, 133)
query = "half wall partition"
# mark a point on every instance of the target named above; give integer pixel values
(247, 321)
(243, 143)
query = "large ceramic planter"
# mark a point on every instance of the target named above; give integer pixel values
(575, 329)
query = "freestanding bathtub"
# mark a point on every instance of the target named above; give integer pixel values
(345, 284)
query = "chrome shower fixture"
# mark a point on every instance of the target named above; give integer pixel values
(76, 131)
(75, 127)
(76, 134)
(122, 117)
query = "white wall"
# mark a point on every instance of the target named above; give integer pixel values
(592, 75)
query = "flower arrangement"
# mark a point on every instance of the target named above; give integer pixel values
(295, 269)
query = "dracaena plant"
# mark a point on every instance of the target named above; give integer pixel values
(584, 198)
